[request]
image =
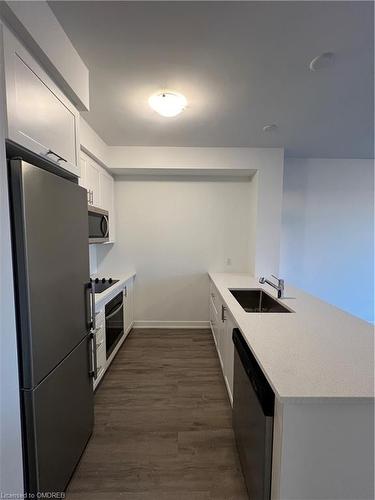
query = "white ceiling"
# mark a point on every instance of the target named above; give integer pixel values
(241, 65)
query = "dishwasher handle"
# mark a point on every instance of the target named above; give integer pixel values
(260, 384)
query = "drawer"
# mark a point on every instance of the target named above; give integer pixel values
(213, 307)
(213, 318)
(214, 294)
(100, 319)
(101, 360)
(100, 337)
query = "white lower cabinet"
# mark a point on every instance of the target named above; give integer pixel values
(128, 305)
(222, 325)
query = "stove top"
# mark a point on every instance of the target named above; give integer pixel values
(102, 284)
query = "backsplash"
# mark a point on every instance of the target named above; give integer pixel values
(93, 260)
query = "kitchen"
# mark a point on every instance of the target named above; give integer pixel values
(178, 366)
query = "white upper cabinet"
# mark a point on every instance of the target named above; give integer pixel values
(100, 188)
(106, 191)
(92, 182)
(39, 116)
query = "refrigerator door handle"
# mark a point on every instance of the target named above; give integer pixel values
(93, 357)
(90, 306)
(92, 295)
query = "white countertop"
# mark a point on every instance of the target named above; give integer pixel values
(319, 351)
(102, 298)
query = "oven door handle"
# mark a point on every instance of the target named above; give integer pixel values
(114, 312)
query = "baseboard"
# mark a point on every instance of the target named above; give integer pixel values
(171, 324)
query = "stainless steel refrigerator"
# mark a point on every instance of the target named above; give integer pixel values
(55, 347)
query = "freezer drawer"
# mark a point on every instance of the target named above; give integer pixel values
(58, 421)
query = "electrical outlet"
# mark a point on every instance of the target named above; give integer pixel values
(229, 261)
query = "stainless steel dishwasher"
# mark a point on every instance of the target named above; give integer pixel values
(253, 409)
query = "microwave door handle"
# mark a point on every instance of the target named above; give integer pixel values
(106, 226)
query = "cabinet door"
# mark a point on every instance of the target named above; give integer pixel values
(40, 117)
(221, 336)
(92, 181)
(128, 303)
(107, 200)
(82, 179)
(214, 321)
(132, 297)
(106, 188)
(229, 356)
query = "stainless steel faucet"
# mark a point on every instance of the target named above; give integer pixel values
(279, 287)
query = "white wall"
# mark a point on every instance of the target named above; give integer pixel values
(328, 231)
(173, 230)
(93, 259)
(266, 162)
(11, 472)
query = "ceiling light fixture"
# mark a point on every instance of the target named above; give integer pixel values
(167, 103)
(270, 128)
(322, 61)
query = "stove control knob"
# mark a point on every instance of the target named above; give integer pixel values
(110, 280)
(103, 280)
(96, 280)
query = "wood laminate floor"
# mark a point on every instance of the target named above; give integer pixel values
(163, 426)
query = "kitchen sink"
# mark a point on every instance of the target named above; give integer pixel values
(256, 300)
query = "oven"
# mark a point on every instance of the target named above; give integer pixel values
(114, 322)
(98, 225)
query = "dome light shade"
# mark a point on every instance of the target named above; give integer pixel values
(167, 103)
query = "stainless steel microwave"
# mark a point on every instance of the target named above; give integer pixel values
(98, 225)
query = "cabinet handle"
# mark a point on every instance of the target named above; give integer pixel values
(59, 158)
(126, 291)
